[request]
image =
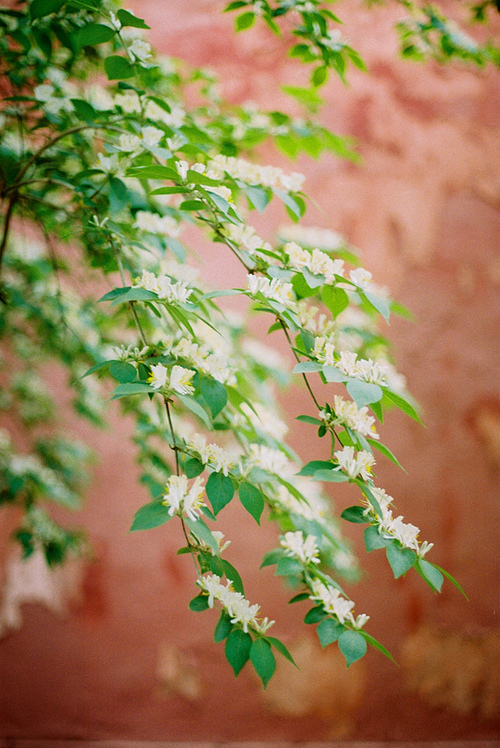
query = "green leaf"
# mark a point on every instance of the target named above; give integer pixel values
(451, 579)
(329, 631)
(287, 566)
(223, 628)
(131, 388)
(313, 281)
(309, 419)
(191, 404)
(315, 615)
(220, 491)
(377, 645)
(432, 575)
(263, 660)
(94, 33)
(150, 515)
(336, 299)
(364, 393)
(232, 574)
(42, 8)
(200, 529)
(281, 648)
(252, 500)
(237, 649)
(306, 367)
(352, 645)
(118, 68)
(193, 467)
(315, 465)
(332, 374)
(319, 76)
(199, 603)
(133, 294)
(374, 540)
(306, 96)
(402, 404)
(122, 371)
(245, 21)
(118, 195)
(299, 598)
(385, 451)
(84, 111)
(379, 304)
(157, 171)
(214, 394)
(128, 19)
(272, 557)
(193, 205)
(400, 559)
(330, 476)
(355, 514)
(258, 197)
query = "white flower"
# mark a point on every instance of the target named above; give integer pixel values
(219, 537)
(129, 102)
(310, 236)
(332, 600)
(354, 465)
(405, 532)
(366, 369)
(179, 499)
(139, 50)
(129, 142)
(238, 607)
(182, 168)
(151, 136)
(272, 460)
(109, 164)
(348, 413)
(305, 549)
(223, 192)
(268, 176)
(211, 454)
(155, 224)
(178, 380)
(274, 289)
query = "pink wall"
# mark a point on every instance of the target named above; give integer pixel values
(423, 208)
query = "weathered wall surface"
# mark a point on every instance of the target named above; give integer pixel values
(423, 206)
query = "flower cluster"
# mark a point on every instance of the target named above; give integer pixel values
(274, 289)
(317, 262)
(300, 547)
(348, 413)
(390, 527)
(333, 602)
(210, 454)
(267, 458)
(181, 499)
(177, 379)
(215, 364)
(238, 608)
(156, 224)
(355, 464)
(312, 236)
(366, 369)
(267, 176)
(162, 285)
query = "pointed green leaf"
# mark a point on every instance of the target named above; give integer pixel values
(214, 394)
(118, 68)
(232, 574)
(400, 559)
(329, 631)
(287, 566)
(263, 660)
(220, 491)
(122, 371)
(315, 465)
(374, 540)
(252, 500)
(237, 649)
(193, 467)
(199, 603)
(432, 575)
(281, 648)
(94, 33)
(336, 299)
(223, 628)
(131, 388)
(315, 615)
(202, 532)
(272, 557)
(150, 515)
(128, 19)
(352, 645)
(402, 404)
(355, 514)
(306, 367)
(330, 476)
(364, 393)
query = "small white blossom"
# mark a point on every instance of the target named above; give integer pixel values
(178, 379)
(358, 419)
(332, 600)
(354, 465)
(274, 289)
(139, 50)
(237, 606)
(129, 102)
(272, 460)
(151, 136)
(300, 547)
(180, 499)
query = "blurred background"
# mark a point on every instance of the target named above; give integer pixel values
(110, 649)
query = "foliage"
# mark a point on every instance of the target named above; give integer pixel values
(98, 183)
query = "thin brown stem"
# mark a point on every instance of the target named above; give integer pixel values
(298, 359)
(6, 226)
(174, 446)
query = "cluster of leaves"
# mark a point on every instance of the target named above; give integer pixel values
(110, 175)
